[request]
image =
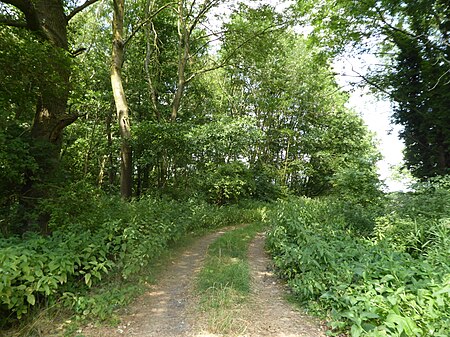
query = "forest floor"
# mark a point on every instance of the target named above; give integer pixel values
(171, 306)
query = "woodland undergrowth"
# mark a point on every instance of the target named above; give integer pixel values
(390, 280)
(97, 242)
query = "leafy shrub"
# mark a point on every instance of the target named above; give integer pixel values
(36, 267)
(227, 183)
(265, 177)
(358, 184)
(362, 285)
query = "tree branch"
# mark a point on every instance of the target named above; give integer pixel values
(392, 28)
(66, 120)
(13, 23)
(439, 80)
(27, 8)
(394, 97)
(78, 9)
(271, 28)
(22, 5)
(146, 21)
(207, 5)
(205, 70)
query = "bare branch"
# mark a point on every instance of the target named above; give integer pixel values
(207, 5)
(146, 21)
(439, 79)
(191, 10)
(80, 8)
(217, 35)
(205, 70)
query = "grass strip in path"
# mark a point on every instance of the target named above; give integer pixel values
(224, 281)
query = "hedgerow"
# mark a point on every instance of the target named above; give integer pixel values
(392, 283)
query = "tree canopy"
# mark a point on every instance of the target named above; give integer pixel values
(211, 101)
(411, 39)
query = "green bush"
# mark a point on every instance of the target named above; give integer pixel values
(228, 183)
(265, 177)
(364, 286)
(417, 221)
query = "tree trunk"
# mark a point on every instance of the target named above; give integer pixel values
(126, 168)
(101, 173)
(111, 170)
(183, 55)
(150, 50)
(47, 19)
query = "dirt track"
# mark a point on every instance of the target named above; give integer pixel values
(169, 308)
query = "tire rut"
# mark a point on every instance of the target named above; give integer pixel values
(166, 308)
(269, 314)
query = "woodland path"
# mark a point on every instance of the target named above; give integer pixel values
(169, 308)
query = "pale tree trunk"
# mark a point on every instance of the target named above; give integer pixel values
(101, 173)
(189, 15)
(151, 48)
(187, 22)
(126, 167)
(183, 55)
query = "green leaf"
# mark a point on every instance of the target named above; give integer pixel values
(442, 291)
(87, 279)
(404, 324)
(31, 299)
(370, 315)
(356, 330)
(46, 289)
(53, 265)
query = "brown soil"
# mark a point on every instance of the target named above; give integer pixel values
(169, 308)
(269, 314)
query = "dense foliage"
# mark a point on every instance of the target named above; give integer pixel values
(222, 109)
(392, 281)
(247, 124)
(411, 40)
(96, 236)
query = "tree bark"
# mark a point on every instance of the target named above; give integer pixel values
(126, 167)
(111, 170)
(148, 54)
